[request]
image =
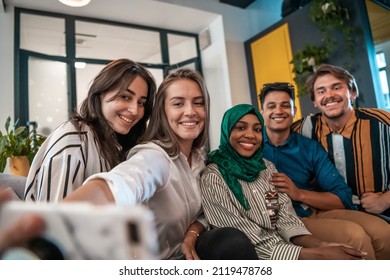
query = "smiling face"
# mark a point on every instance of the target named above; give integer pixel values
(185, 111)
(278, 111)
(246, 136)
(122, 112)
(333, 97)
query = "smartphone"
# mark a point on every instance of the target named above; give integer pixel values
(83, 231)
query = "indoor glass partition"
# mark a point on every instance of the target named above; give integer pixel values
(104, 41)
(48, 94)
(42, 34)
(57, 56)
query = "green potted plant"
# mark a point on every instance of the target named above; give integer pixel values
(305, 62)
(330, 16)
(18, 143)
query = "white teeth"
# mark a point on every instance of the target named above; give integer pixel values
(330, 104)
(278, 119)
(188, 123)
(246, 144)
(126, 119)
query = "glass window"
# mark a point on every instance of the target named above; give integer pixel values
(381, 62)
(385, 87)
(103, 41)
(48, 94)
(189, 66)
(45, 68)
(384, 82)
(158, 75)
(42, 34)
(85, 75)
(181, 48)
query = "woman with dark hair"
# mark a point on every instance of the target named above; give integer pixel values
(98, 136)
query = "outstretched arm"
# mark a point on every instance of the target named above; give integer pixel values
(131, 182)
(95, 191)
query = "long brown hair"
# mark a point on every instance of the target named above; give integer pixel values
(159, 130)
(115, 76)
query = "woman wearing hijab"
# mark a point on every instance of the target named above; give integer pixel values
(236, 192)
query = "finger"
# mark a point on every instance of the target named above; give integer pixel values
(5, 194)
(189, 252)
(340, 244)
(355, 252)
(189, 255)
(283, 190)
(277, 181)
(23, 230)
(344, 245)
(280, 184)
(195, 255)
(185, 250)
(278, 175)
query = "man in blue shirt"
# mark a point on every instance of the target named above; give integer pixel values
(319, 193)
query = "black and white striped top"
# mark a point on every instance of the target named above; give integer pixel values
(62, 164)
(222, 209)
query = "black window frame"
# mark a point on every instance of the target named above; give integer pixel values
(21, 95)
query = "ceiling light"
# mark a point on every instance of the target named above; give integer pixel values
(75, 3)
(80, 65)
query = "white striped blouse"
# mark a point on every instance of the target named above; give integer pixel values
(222, 209)
(62, 164)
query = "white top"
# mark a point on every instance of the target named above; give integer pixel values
(63, 163)
(167, 185)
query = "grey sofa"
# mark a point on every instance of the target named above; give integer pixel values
(16, 183)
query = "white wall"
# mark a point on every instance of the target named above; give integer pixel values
(6, 70)
(215, 71)
(6, 67)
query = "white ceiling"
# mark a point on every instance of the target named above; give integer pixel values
(38, 32)
(130, 11)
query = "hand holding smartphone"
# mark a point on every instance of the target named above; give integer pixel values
(77, 231)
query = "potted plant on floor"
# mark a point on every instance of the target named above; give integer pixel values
(19, 145)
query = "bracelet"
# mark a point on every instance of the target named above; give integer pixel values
(193, 231)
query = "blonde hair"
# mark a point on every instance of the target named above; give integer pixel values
(159, 130)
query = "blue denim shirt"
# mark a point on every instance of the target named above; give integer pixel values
(307, 164)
